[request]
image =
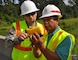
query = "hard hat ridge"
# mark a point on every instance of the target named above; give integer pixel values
(28, 7)
(51, 10)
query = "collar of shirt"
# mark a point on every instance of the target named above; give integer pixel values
(56, 30)
(51, 34)
(32, 25)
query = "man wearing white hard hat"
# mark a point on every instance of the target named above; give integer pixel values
(58, 43)
(18, 38)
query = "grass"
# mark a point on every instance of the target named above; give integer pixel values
(70, 25)
(4, 27)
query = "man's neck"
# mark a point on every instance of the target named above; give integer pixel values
(31, 24)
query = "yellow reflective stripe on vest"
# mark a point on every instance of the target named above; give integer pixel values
(73, 43)
(56, 40)
(60, 38)
(41, 28)
(54, 44)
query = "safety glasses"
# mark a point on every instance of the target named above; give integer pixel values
(30, 14)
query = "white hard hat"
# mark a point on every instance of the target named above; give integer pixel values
(51, 10)
(28, 7)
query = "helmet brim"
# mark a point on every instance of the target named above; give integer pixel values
(29, 12)
(48, 15)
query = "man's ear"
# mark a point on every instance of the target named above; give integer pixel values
(58, 20)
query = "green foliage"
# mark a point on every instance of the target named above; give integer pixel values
(4, 27)
(70, 25)
(9, 13)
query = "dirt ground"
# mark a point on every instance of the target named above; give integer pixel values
(5, 53)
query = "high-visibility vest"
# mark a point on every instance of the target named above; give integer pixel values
(56, 39)
(23, 51)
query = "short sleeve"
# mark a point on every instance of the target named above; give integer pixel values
(63, 49)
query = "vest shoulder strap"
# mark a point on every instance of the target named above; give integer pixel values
(57, 39)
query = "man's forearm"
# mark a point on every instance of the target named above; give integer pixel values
(49, 54)
(11, 40)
